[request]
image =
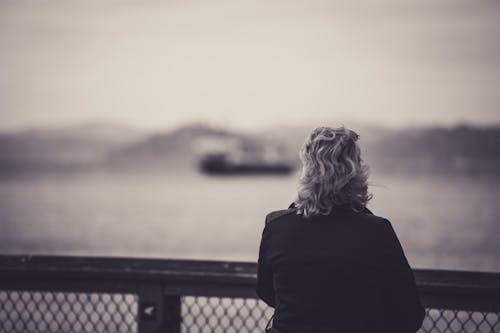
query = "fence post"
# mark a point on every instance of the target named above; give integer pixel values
(172, 313)
(151, 308)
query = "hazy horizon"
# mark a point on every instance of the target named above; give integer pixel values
(118, 124)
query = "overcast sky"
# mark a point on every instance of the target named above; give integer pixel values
(249, 63)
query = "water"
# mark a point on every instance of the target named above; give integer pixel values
(442, 222)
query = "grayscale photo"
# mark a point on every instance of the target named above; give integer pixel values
(249, 166)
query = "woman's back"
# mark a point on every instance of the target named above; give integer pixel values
(342, 272)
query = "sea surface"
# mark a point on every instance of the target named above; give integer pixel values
(442, 221)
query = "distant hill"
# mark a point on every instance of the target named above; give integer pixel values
(53, 149)
(172, 149)
(462, 149)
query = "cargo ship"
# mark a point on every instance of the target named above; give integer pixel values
(223, 164)
(234, 157)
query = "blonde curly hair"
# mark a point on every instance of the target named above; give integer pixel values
(333, 172)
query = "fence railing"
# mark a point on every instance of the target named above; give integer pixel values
(78, 294)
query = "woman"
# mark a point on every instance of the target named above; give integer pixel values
(327, 264)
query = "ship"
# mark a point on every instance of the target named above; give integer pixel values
(223, 164)
(236, 156)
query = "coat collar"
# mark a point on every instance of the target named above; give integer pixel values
(344, 207)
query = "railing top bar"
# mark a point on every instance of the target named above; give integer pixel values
(125, 268)
(192, 271)
(445, 281)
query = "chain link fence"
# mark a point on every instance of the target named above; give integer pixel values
(247, 315)
(224, 315)
(61, 312)
(451, 321)
(51, 312)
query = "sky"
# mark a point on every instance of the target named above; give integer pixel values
(249, 63)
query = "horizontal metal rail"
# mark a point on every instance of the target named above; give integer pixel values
(160, 284)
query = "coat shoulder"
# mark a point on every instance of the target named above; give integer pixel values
(278, 214)
(376, 221)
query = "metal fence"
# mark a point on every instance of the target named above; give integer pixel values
(446, 320)
(224, 315)
(23, 311)
(62, 294)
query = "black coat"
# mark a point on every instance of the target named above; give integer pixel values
(345, 272)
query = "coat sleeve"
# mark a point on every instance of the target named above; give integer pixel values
(265, 286)
(403, 309)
